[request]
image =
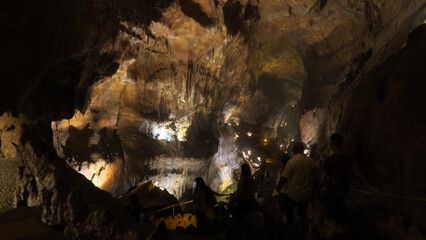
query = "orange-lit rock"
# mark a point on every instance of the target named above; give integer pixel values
(179, 220)
(11, 129)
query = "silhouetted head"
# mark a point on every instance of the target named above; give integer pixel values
(245, 170)
(298, 148)
(284, 159)
(336, 141)
(199, 182)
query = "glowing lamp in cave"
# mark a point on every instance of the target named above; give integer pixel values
(162, 133)
(258, 158)
(181, 134)
(249, 152)
(166, 130)
(249, 134)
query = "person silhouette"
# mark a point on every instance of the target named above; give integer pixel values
(302, 176)
(243, 198)
(204, 199)
(338, 168)
(281, 186)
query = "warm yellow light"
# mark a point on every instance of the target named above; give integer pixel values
(179, 221)
(249, 134)
(101, 173)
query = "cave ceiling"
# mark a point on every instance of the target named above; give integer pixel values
(153, 89)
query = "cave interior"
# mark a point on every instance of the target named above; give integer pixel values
(104, 99)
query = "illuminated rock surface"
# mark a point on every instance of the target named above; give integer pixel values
(126, 92)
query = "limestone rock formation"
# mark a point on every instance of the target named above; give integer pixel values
(178, 76)
(131, 91)
(68, 199)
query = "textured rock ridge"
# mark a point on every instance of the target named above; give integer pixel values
(382, 119)
(69, 201)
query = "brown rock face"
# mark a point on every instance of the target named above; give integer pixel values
(131, 91)
(204, 63)
(381, 120)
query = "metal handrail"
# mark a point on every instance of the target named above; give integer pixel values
(419, 199)
(171, 206)
(271, 189)
(388, 195)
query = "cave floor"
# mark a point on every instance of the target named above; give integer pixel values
(24, 224)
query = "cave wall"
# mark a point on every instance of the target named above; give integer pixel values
(383, 122)
(202, 64)
(130, 91)
(162, 107)
(353, 48)
(140, 82)
(161, 70)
